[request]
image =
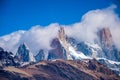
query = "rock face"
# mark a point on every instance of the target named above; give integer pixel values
(24, 54)
(60, 47)
(105, 37)
(63, 41)
(6, 58)
(40, 56)
(61, 34)
(57, 51)
(107, 45)
(61, 70)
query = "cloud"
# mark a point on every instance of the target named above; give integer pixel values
(95, 20)
(10, 42)
(39, 37)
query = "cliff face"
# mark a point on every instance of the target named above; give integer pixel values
(106, 37)
(107, 45)
(61, 34)
(24, 53)
(40, 56)
(57, 51)
(63, 41)
(60, 46)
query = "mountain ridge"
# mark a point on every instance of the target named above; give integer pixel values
(61, 70)
(67, 50)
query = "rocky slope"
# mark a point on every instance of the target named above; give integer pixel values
(60, 70)
(7, 59)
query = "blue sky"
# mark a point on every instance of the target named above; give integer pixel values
(23, 14)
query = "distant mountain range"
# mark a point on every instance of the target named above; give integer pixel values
(69, 51)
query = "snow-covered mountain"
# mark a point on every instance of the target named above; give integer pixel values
(104, 50)
(65, 47)
(69, 48)
(96, 51)
(24, 54)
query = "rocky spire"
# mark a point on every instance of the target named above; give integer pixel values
(24, 53)
(109, 48)
(61, 34)
(63, 41)
(40, 56)
(105, 37)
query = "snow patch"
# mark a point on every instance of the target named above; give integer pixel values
(110, 61)
(78, 55)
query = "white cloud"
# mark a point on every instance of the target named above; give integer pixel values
(10, 42)
(94, 20)
(39, 37)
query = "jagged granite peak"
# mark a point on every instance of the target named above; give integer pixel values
(106, 37)
(40, 56)
(60, 48)
(63, 41)
(107, 45)
(57, 51)
(6, 59)
(24, 54)
(61, 34)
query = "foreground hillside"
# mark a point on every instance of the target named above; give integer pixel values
(60, 70)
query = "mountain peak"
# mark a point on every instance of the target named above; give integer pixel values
(40, 56)
(24, 53)
(24, 45)
(105, 37)
(61, 34)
